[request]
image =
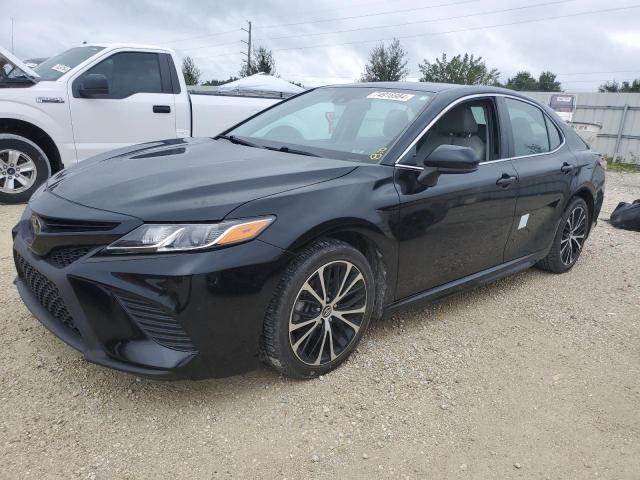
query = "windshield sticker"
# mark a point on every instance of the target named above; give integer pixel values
(397, 96)
(378, 154)
(61, 68)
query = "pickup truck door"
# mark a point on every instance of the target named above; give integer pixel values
(139, 106)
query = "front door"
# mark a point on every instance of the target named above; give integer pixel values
(136, 109)
(459, 226)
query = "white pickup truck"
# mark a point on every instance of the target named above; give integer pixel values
(94, 98)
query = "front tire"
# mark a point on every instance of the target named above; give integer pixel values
(23, 168)
(320, 310)
(569, 240)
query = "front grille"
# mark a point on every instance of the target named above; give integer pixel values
(58, 225)
(156, 322)
(47, 293)
(63, 257)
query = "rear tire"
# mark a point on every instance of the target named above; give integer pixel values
(569, 239)
(23, 168)
(320, 310)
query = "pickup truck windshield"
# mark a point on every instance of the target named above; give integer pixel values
(351, 123)
(56, 66)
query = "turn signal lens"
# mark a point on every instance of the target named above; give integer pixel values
(155, 238)
(243, 232)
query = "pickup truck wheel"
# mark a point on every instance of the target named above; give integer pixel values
(23, 168)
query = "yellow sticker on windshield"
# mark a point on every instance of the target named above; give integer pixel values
(378, 154)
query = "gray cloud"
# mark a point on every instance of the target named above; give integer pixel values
(335, 50)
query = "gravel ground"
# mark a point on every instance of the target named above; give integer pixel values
(535, 376)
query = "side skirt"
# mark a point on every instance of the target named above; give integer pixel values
(466, 283)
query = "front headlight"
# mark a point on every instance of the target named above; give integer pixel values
(154, 238)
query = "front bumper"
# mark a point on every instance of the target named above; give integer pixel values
(190, 315)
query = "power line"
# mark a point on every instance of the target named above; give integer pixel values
(599, 73)
(202, 36)
(469, 29)
(235, 42)
(353, 5)
(504, 10)
(432, 20)
(459, 2)
(388, 12)
(556, 17)
(603, 80)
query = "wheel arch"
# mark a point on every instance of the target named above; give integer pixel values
(587, 194)
(36, 135)
(369, 240)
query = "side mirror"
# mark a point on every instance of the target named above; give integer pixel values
(94, 84)
(448, 159)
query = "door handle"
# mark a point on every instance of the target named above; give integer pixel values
(161, 109)
(506, 180)
(567, 168)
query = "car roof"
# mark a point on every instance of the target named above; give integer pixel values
(432, 87)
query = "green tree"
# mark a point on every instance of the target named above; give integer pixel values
(624, 87)
(524, 81)
(190, 71)
(547, 82)
(215, 83)
(462, 69)
(611, 86)
(262, 61)
(386, 64)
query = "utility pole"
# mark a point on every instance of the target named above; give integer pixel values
(12, 35)
(248, 42)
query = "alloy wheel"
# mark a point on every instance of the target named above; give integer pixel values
(573, 236)
(327, 313)
(17, 171)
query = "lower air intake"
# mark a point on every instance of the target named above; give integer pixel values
(46, 292)
(156, 322)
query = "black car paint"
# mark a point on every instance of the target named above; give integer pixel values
(218, 176)
(427, 242)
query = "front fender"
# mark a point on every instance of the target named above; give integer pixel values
(52, 118)
(363, 202)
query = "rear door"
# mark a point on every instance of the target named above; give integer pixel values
(459, 226)
(546, 168)
(140, 105)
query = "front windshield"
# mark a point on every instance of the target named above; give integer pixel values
(54, 67)
(354, 123)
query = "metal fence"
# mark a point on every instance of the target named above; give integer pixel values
(619, 116)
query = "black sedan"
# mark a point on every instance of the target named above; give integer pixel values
(283, 238)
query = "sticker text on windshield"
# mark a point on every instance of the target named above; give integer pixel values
(397, 96)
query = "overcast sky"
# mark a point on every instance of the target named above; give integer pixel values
(328, 41)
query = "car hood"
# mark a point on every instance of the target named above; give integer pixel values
(188, 179)
(17, 68)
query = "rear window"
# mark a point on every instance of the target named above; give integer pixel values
(554, 136)
(529, 128)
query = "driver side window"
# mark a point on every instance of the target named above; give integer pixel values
(471, 124)
(129, 73)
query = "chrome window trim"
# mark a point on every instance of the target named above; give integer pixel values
(471, 97)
